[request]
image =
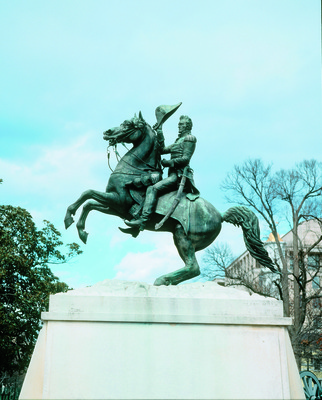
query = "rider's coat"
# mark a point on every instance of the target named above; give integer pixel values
(181, 152)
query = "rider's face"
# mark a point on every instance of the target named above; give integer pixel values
(182, 126)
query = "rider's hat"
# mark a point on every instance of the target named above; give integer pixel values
(162, 113)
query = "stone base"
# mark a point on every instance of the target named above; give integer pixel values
(130, 340)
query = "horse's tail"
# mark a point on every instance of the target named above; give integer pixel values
(248, 221)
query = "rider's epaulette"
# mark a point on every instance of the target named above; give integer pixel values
(190, 138)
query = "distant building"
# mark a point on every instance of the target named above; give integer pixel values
(309, 232)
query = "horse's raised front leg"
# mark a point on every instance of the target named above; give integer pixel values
(90, 206)
(187, 253)
(102, 197)
(71, 210)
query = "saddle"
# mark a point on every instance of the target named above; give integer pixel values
(181, 213)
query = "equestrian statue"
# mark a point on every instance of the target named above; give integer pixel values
(138, 193)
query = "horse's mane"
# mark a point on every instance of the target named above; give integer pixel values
(143, 156)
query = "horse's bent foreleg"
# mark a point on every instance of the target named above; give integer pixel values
(187, 253)
(90, 206)
(71, 210)
(101, 197)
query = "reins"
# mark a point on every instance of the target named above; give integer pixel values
(138, 158)
(118, 157)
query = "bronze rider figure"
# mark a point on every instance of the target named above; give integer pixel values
(181, 152)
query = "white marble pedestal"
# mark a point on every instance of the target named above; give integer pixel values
(130, 340)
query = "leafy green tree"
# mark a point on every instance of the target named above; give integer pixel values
(26, 282)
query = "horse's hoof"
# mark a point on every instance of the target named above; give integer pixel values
(83, 236)
(68, 221)
(162, 281)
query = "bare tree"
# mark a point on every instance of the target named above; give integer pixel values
(291, 195)
(310, 349)
(216, 260)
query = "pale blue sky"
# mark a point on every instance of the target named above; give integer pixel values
(247, 71)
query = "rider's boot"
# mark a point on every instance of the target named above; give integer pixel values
(137, 223)
(131, 231)
(148, 208)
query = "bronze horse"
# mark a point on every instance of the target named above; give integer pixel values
(194, 224)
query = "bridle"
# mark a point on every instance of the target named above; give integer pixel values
(118, 157)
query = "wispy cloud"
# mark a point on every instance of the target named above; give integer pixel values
(56, 171)
(149, 265)
(247, 72)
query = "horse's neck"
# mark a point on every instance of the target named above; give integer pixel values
(144, 148)
(142, 156)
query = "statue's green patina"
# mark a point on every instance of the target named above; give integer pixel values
(180, 174)
(137, 193)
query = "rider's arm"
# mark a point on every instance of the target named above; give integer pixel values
(160, 139)
(166, 150)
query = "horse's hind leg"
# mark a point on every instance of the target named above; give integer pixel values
(187, 253)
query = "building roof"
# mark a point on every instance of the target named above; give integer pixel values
(309, 232)
(272, 239)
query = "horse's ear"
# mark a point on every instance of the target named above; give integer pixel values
(140, 116)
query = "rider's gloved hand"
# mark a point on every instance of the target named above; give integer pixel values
(157, 129)
(166, 163)
(155, 177)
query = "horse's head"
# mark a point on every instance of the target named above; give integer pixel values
(129, 131)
